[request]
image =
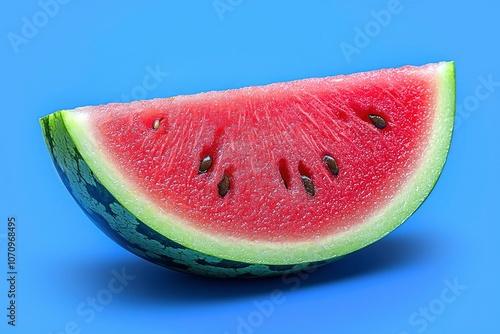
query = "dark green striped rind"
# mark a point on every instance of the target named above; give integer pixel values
(130, 232)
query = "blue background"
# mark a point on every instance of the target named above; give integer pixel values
(92, 52)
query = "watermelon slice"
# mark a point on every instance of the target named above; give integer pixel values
(261, 180)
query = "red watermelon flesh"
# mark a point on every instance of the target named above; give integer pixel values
(264, 139)
(282, 164)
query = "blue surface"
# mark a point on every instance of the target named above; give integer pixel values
(438, 273)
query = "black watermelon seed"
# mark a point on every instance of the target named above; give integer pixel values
(205, 164)
(224, 185)
(378, 121)
(331, 164)
(156, 124)
(308, 185)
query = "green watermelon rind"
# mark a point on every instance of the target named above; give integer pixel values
(403, 205)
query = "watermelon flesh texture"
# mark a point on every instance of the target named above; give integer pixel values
(261, 180)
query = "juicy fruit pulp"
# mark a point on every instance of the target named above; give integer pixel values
(284, 174)
(270, 154)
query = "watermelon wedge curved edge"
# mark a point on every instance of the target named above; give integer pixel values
(116, 203)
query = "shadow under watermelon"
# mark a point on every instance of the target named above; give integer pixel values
(156, 285)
